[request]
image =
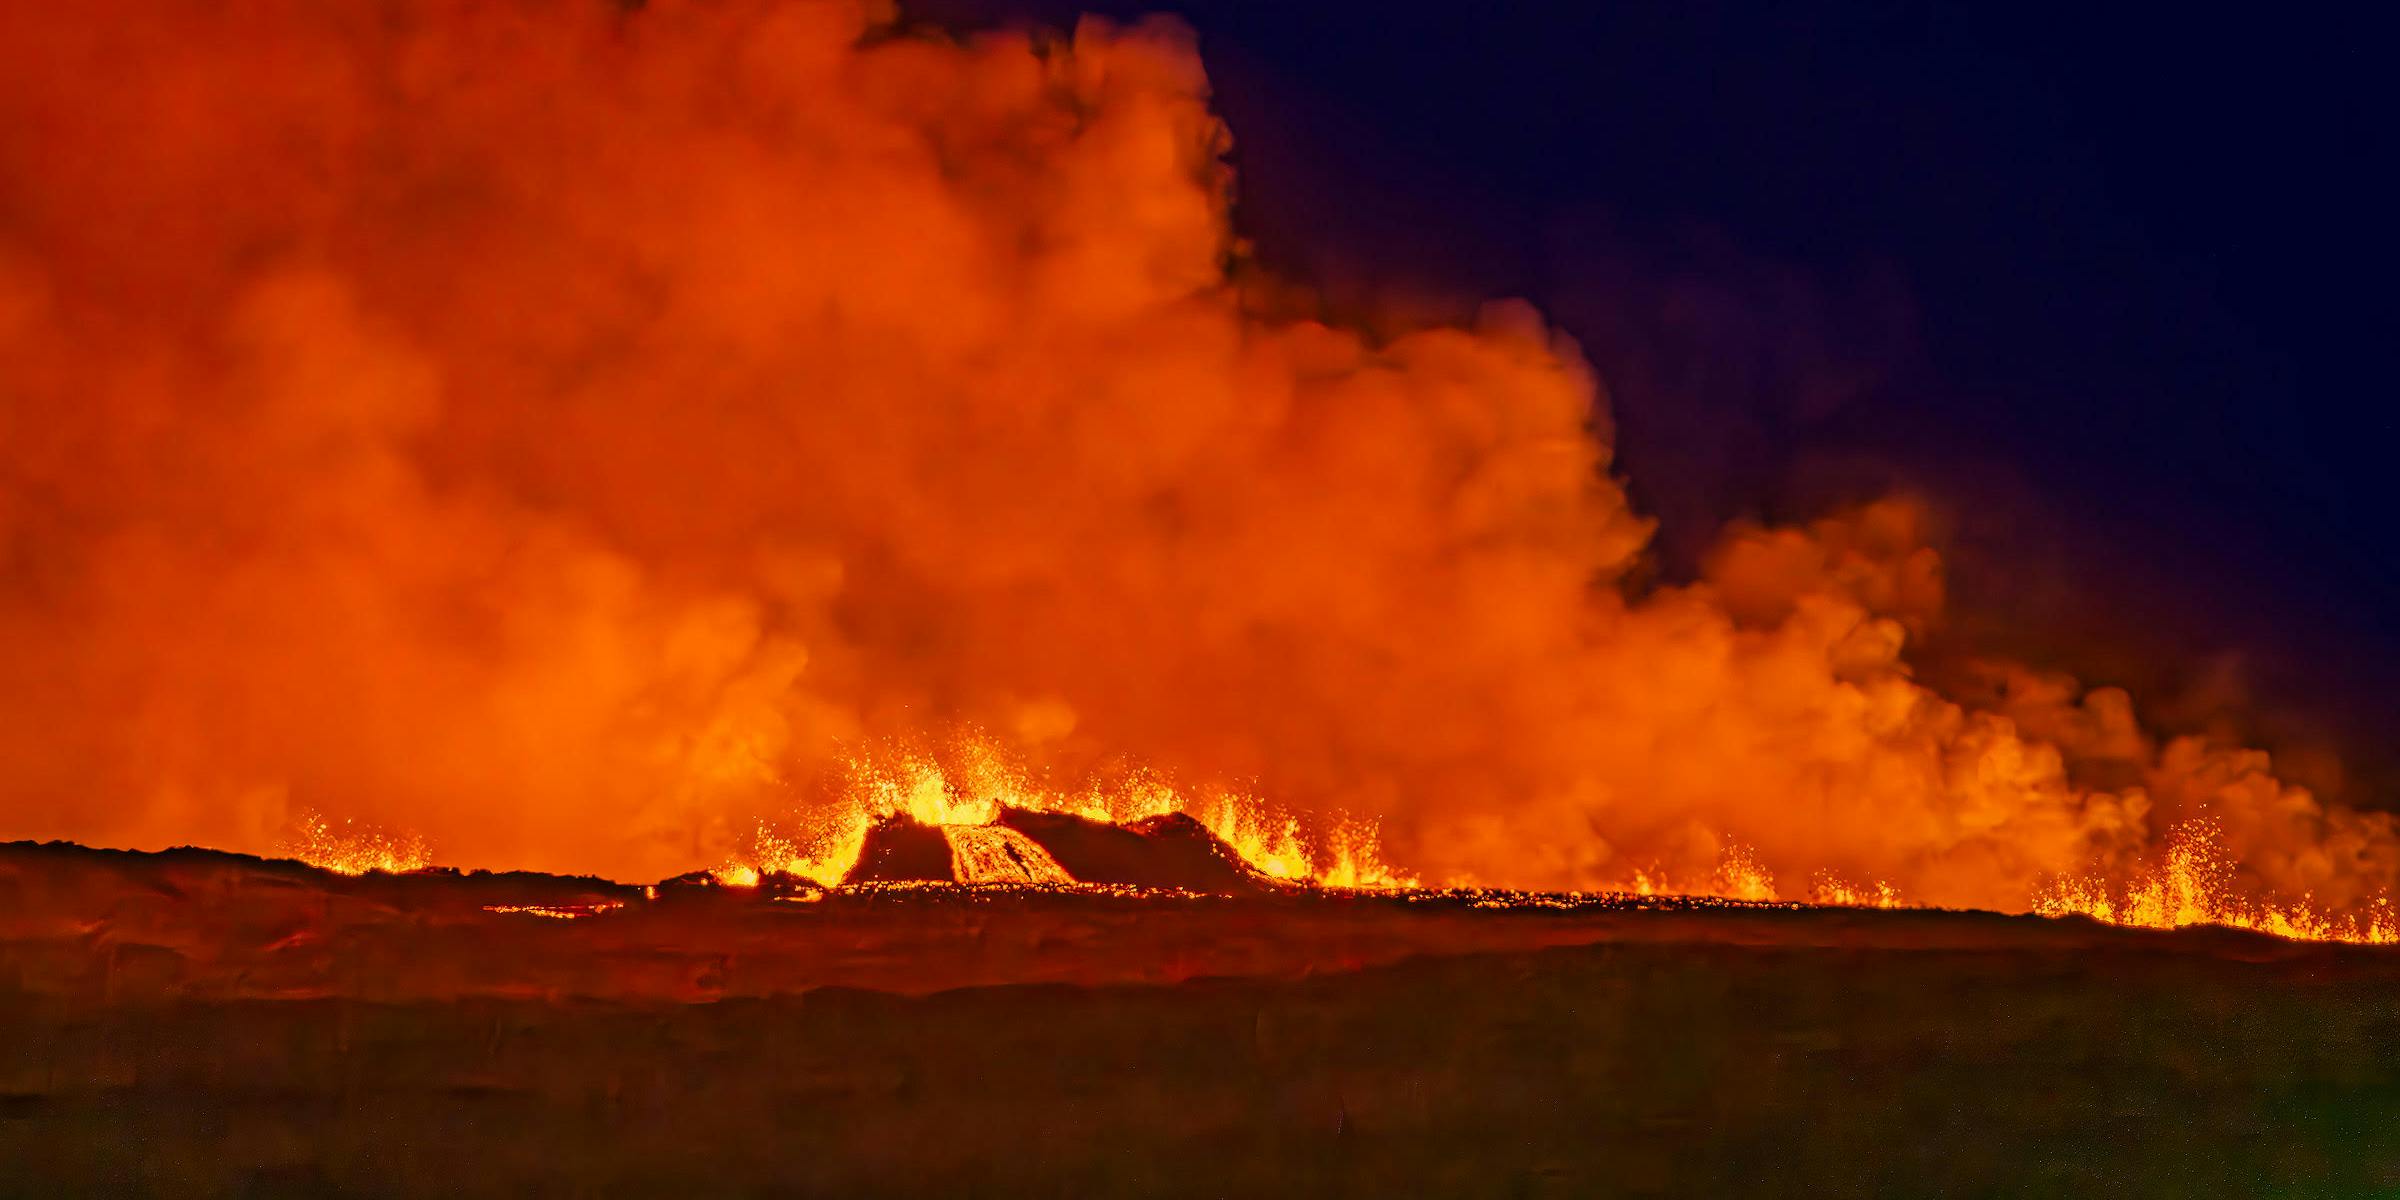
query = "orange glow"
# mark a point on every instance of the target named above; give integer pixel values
(1739, 877)
(995, 854)
(965, 786)
(1355, 860)
(571, 430)
(352, 847)
(963, 790)
(556, 912)
(2194, 886)
(1833, 891)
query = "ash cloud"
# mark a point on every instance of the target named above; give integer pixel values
(569, 432)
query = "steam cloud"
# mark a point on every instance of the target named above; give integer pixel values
(568, 431)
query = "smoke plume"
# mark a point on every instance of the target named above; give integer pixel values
(569, 432)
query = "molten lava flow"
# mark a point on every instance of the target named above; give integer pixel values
(963, 789)
(556, 912)
(569, 428)
(992, 854)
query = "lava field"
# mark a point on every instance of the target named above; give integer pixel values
(192, 1022)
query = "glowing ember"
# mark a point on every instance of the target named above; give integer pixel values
(556, 912)
(964, 789)
(1356, 861)
(1834, 891)
(1739, 877)
(353, 847)
(993, 854)
(2194, 886)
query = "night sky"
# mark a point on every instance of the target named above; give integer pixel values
(2109, 287)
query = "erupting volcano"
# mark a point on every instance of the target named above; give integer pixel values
(726, 466)
(561, 434)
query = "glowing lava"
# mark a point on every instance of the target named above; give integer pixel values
(964, 800)
(560, 429)
(2195, 886)
(964, 790)
(353, 847)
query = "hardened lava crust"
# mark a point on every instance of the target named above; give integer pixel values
(199, 1023)
(122, 927)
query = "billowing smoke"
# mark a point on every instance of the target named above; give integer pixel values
(569, 432)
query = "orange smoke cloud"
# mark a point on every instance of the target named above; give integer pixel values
(567, 432)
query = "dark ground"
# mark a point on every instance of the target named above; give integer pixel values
(154, 1039)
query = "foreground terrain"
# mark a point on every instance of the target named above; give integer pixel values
(204, 1023)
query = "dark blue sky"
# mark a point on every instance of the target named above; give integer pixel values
(2110, 286)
